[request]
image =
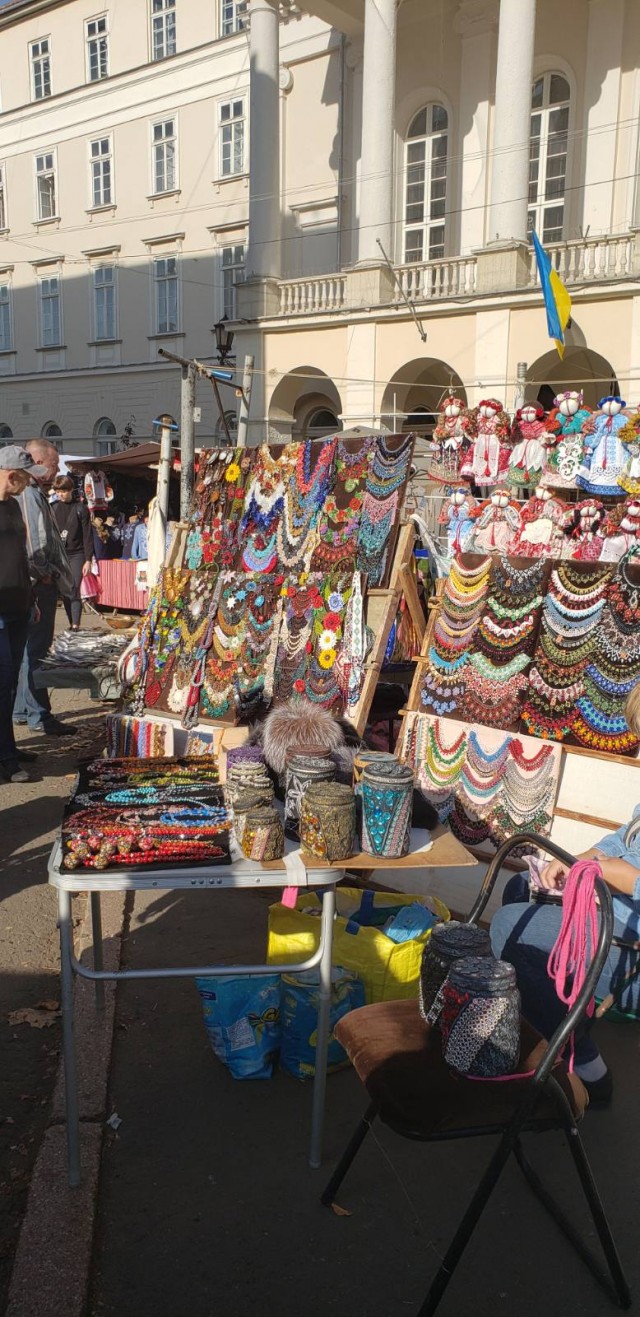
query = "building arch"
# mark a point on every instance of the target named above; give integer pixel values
(581, 368)
(6, 433)
(305, 404)
(416, 390)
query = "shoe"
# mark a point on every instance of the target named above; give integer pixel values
(600, 1090)
(25, 756)
(55, 728)
(11, 771)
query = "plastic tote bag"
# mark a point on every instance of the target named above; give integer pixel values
(299, 1018)
(242, 1019)
(90, 586)
(389, 970)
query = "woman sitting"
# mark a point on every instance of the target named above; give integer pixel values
(524, 933)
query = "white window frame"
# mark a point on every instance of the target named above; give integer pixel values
(4, 219)
(100, 283)
(233, 16)
(162, 14)
(47, 293)
(40, 66)
(227, 297)
(231, 128)
(538, 208)
(6, 313)
(164, 141)
(161, 277)
(100, 39)
(46, 171)
(429, 224)
(101, 172)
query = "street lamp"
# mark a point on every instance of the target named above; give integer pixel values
(224, 339)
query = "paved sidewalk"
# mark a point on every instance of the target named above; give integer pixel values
(207, 1207)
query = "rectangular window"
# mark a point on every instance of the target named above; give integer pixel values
(164, 156)
(40, 69)
(6, 343)
(233, 16)
(232, 263)
(163, 28)
(97, 48)
(165, 284)
(3, 201)
(46, 200)
(231, 123)
(104, 303)
(101, 172)
(50, 313)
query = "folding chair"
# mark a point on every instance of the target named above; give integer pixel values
(398, 1058)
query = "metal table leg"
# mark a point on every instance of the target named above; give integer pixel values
(68, 1043)
(96, 932)
(322, 1040)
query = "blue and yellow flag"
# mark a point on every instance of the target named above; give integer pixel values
(556, 298)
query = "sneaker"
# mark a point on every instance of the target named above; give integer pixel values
(11, 771)
(600, 1090)
(25, 756)
(56, 728)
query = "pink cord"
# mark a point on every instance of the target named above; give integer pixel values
(578, 936)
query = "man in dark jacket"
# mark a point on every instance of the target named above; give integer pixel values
(16, 600)
(51, 573)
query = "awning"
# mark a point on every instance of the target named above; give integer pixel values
(142, 459)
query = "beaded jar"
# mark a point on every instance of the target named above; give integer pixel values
(448, 942)
(480, 1020)
(247, 776)
(366, 757)
(263, 834)
(328, 821)
(245, 801)
(387, 806)
(301, 771)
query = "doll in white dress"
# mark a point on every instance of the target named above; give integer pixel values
(540, 534)
(457, 515)
(528, 434)
(497, 521)
(604, 457)
(629, 436)
(487, 459)
(565, 444)
(451, 438)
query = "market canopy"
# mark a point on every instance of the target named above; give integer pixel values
(131, 461)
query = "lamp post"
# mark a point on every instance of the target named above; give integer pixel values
(224, 339)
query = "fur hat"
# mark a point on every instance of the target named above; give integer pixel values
(293, 726)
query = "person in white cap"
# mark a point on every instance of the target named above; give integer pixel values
(16, 600)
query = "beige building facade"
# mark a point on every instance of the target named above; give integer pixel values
(350, 182)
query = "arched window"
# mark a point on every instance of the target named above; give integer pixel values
(548, 156)
(322, 422)
(53, 433)
(6, 434)
(426, 184)
(232, 422)
(104, 431)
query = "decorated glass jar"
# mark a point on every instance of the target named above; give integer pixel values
(387, 806)
(301, 771)
(245, 801)
(365, 757)
(328, 821)
(480, 1020)
(448, 942)
(263, 834)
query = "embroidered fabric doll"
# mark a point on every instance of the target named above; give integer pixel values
(451, 437)
(565, 422)
(540, 534)
(583, 526)
(496, 522)
(621, 533)
(604, 456)
(487, 459)
(629, 435)
(528, 453)
(457, 515)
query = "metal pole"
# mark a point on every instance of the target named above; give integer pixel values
(322, 1036)
(96, 933)
(68, 1045)
(187, 440)
(164, 469)
(521, 377)
(245, 403)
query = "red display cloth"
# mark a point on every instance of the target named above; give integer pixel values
(118, 585)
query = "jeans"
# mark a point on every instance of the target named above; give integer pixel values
(73, 602)
(32, 705)
(524, 933)
(13, 638)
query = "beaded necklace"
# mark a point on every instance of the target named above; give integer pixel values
(385, 479)
(304, 496)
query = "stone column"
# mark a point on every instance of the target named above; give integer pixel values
(476, 22)
(512, 122)
(263, 255)
(378, 112)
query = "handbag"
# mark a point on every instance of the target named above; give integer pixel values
(90, 586)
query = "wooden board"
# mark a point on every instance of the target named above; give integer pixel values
(381, 612)
(443, 853)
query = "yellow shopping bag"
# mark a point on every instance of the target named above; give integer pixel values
(389, 970)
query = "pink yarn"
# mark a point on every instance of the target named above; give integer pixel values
(578, 936)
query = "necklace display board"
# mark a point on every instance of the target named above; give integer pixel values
(293, 566)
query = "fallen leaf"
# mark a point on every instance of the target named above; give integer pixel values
(38, 1019)
(340, 1211)
(49, 1005)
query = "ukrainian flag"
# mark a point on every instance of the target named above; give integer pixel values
(556, 297)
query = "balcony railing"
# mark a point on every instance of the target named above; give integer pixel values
(326, 292)
(435, 279)
(587, 260)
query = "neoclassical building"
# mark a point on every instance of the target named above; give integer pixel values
(350, 182)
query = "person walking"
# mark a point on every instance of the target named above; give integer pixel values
(16, 601)
(50, 571)
(73, 522)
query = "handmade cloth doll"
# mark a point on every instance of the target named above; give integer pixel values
(583, 526)
(451, 437)
(457, 515)
(528, 453)
(487, 459)
(496, 522)
(540, 534)
(604, 456)
(564, 428)
(621, 533)
(629, 435)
